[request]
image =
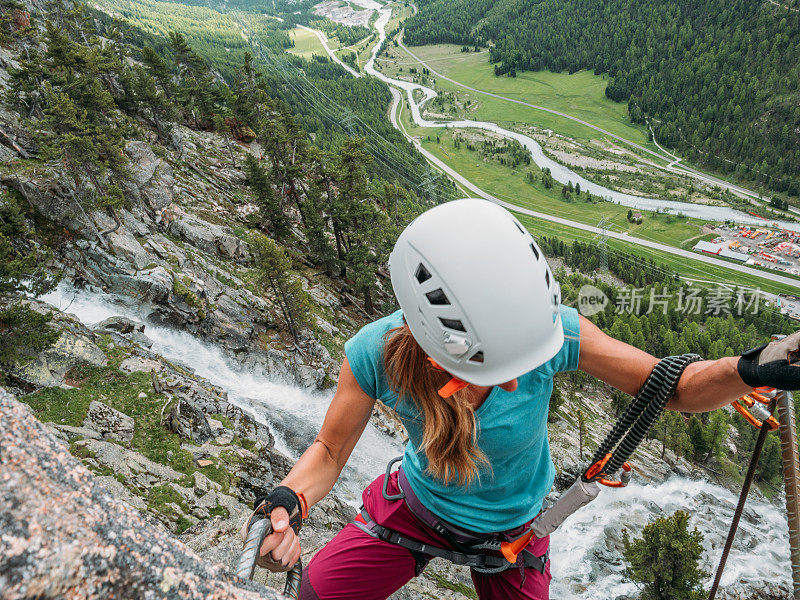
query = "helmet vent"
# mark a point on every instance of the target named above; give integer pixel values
(453, 324)
(521, 230)
(422, 274)
(547, 278)
(437, 297)
(535, 251)
(477, 357)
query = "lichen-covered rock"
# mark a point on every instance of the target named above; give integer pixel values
(75, 346)
(135, 468)
(109, 422)
(188, 422)
(65, 536)
(211, 238)
(121, 325)
(123, 244)
(152, 176)
(67, 433)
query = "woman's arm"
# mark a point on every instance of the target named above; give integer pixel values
(318, 469)
(314, 474)
(705, 385)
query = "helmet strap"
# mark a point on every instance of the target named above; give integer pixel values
(451, 387)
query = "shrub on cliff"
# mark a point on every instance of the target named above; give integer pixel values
(664, 560)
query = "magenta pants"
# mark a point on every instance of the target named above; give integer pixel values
(357, 566)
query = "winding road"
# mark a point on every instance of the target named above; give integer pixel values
(672, 160)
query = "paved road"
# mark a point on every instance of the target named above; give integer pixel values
(467, 184)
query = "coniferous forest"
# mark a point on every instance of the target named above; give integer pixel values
(717, 80)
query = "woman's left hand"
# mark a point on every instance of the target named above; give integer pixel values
(773, 365)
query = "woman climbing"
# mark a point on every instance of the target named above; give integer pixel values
(467, 364)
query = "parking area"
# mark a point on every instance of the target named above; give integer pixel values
(773, 248)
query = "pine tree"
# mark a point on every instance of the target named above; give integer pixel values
(665, 559)
(362, 226)
(268, 206)
(23, 331)
(273, 274)
(198, 92)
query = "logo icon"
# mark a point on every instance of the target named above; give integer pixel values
(591, 300)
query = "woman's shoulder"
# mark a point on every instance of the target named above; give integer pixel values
(364, 353)
(566, 359)
(372, 336)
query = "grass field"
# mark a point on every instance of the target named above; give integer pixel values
(581, 94)
(306, 44)
(512, 185)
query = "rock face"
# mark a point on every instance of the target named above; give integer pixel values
(188, 422)
(179, 252)
(65, 536)
(152, 176)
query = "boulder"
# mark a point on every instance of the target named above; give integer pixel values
(120, 492)
(138, 364)
(74, 347)
(125, 246)
(109, 422)
(209, 237)
(133, 330)
(203, 485)
(255, 477)
(180, 139)
(153, 176)
(121, 325)
(188, 422)
(135, 468)
(68, 433)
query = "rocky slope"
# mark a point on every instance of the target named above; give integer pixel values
(177, 253)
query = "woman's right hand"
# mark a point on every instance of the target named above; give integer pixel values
(280, 550)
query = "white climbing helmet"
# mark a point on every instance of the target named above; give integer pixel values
(476, 292)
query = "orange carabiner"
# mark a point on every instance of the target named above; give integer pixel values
(595, 470)
(624, 479)
(595, 473)
(750, 401)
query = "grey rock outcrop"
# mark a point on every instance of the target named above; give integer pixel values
(65, 535)
(152, 176)
(109, 422)
(188, 422)
(74, 347)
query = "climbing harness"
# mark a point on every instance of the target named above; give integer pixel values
(260, 526)
(611, 456)
(468, 549)
(615, 450)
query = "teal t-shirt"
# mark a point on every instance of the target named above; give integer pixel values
(512, 433)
